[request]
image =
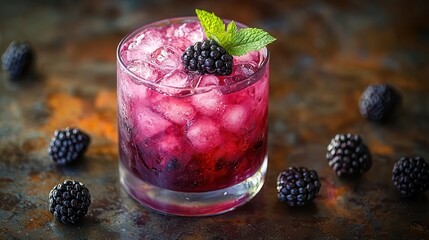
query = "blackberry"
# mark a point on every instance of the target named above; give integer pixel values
(410, 176)
(378, 102)
(297, 186)
(69, 201)
(348, 155)
(68, 145)
(207, 57)
(17, 60)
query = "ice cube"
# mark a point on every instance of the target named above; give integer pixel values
(181, 31)
(208, 103)
(175, 82)
(193, 32)
(179, 43)
(251, 57)
(175, 109)
(139, 91)
(134, 54)
(169, 31)
(170, 147)
(244, 70)
(207, 80)
(184, 35)
(166, 57)
(177, 79)
(168, 143)
(129, 88)
(148, 41)
(240, 72)
(144, 69)
(234, 117)
(148, 123)
(204, 134)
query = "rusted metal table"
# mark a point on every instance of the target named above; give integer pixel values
(325, 55)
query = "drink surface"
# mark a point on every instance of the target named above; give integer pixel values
(184, 131)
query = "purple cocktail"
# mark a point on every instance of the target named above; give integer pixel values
(189, 144)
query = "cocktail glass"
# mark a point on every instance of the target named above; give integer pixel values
(189, 144)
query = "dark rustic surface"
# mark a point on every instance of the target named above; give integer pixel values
(325, 55)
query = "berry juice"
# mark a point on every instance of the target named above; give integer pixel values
(189, 144)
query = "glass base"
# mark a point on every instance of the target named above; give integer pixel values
(192, 203)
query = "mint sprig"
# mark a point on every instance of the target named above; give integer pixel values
(235, 41)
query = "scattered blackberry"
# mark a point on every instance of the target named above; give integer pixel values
(17, 60)
(297, 186)
(68, 145)
(348, 155)
(207, 57)
(69, 201)
(378, 102)
(411, 176)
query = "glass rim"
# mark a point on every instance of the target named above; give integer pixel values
(167, 21)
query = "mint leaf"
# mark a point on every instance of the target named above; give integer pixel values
(249, 39)
(235, 42)
(211, 23)
(225, 38)
(231, 28)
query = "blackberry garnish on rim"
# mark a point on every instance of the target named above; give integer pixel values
(207, 57)
(215, 54)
